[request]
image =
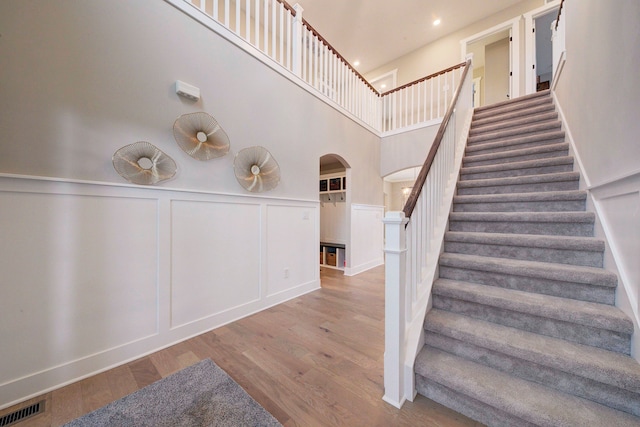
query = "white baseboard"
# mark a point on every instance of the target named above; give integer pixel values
(352, 271)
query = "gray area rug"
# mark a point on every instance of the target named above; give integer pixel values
(200, 395)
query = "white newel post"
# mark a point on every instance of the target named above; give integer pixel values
(296, 41)
(394, 314)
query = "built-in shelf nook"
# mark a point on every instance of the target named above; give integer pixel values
(333, 188)
(333, 224)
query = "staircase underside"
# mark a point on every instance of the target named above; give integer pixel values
(523, 329)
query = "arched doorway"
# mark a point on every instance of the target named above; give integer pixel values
(335, 208)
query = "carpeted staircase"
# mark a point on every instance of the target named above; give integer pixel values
(523, 329)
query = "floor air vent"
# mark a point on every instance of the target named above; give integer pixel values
(22, 414)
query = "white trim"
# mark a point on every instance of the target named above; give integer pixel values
(560, 66)
(597, 206)
(366, 207)
(629, 175)
(149, 187)
(477, 86)
(352, 271)
(417, 126)
(625, 280)
(90, 360)
(84, 364)
(513, 25)
(569, 137)
(529, 42)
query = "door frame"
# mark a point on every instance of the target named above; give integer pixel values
(477, 94)
(530, 44)
(513, 26)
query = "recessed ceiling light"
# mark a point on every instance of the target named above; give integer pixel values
(436, 22)
(383, 85)
(356, 63)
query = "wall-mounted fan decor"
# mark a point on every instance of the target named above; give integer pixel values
(143, 163)
(200, 136)
(256, 169)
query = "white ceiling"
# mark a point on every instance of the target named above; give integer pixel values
(376, 32)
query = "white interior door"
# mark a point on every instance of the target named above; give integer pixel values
(476, 92)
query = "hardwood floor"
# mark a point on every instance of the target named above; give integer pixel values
(316, 360)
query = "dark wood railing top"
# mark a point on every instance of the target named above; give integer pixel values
(335, 52)
(422, 176)
(288, 7)
(420, 80)
(559, 13)
(324, 41)
(331, 48)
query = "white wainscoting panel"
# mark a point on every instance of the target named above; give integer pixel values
(367, 238)
(97, 274)
(619, 209)
(215, 258)
(292, 247)
(79, 276)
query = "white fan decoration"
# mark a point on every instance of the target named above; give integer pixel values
(256, 169)
(143, 163)
(200, 136)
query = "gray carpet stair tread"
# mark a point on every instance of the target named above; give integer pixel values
(526, 400)
(557, 136)
(497, 118)
(590, 314)
(554, 217)
(517, 153)
(600, 365)
(519, 180)
(532, 99)
(512, 132)
(523, 121)
(542, 270)
(523, 328)
(545, 196)
(526, 164)
(533, 241)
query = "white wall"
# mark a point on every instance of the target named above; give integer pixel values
(367, 238)
(398, 199)
(599, 97)
(102, 272)
(407, 149)
(333, 222)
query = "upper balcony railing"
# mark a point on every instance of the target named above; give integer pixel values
(420, 101)
(279, 31)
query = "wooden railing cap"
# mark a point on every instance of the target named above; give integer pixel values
(424, 171)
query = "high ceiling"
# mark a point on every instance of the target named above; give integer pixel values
(375, 32)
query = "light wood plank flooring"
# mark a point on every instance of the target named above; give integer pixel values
(316, 360)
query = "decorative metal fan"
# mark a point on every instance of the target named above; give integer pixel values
(200, 136)
(143, 163)
(256, 169)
